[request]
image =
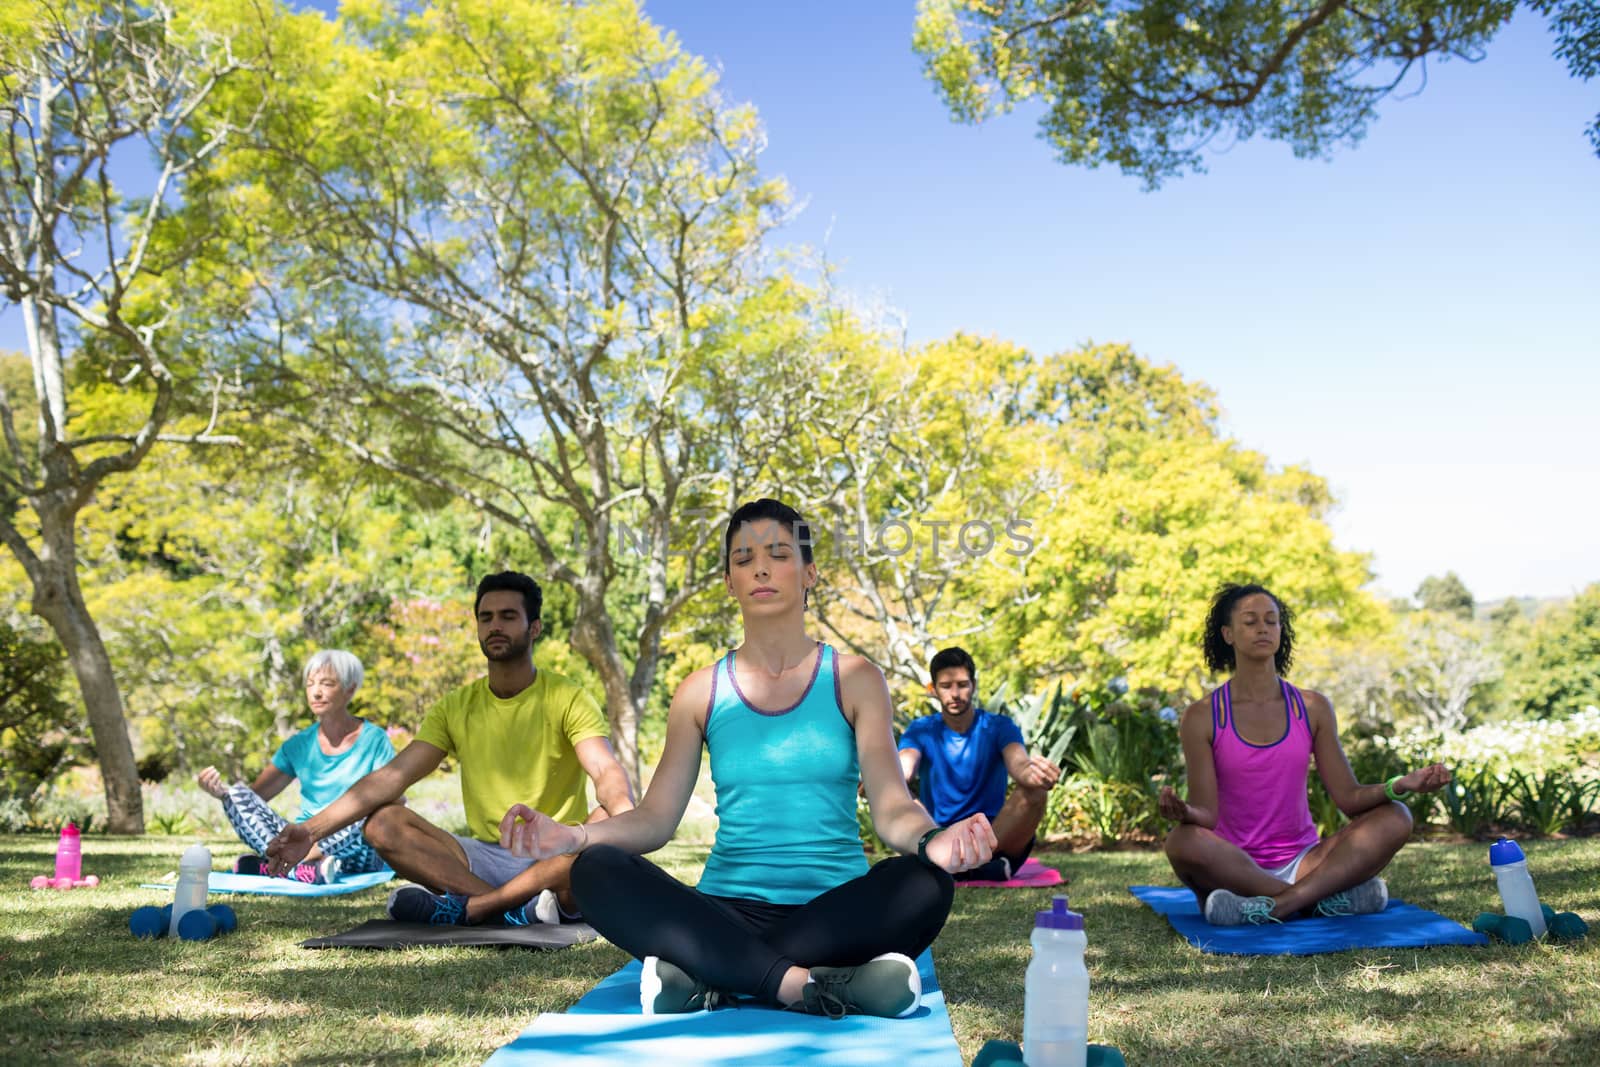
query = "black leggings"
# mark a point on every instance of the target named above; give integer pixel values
(747, 946)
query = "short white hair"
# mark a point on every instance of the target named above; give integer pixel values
(344, 666)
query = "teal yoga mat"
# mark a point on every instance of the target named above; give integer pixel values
(1400, 925)
(606, 1027)
(227, 882)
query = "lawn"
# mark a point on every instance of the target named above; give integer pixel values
(76, 988)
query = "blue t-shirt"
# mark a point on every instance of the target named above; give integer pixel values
(324, 778)
(962, 774)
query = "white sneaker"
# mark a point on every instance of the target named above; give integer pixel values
(546, 908)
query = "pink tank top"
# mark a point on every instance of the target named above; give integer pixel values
(1261, 789)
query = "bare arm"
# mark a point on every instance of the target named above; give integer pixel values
(910, 760)
(1333, 766)
(1201, 770)
(270, 782)
(897, 817)
(1034, 772)
(611, 786)
(379, 787)
(640, 829)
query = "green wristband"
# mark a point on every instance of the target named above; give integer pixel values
(1388, 787)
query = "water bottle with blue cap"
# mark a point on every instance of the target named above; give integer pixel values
(1516, 884)
(1055, 1013)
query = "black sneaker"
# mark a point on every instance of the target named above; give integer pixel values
(665, 989)
(251, 864)
(414, 904)
(887, 986)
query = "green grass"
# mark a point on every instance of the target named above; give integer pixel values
(76, 988)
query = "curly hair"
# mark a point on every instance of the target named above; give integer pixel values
(1219, 654)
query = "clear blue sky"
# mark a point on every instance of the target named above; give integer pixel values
(1414, 320)
(1407, 320)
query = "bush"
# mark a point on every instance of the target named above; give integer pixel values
(1115, 750)
(41, 733)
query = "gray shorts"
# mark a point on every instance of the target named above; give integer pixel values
(1287, 872)
(493, 864)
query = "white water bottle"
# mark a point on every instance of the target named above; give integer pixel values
(194, 877)
(1055, 1012)
(1516, 884)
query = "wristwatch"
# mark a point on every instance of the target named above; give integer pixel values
(922, 843)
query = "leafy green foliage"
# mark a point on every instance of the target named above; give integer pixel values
(41, 733)
(1447, 595)
(1146, 85)
(1553, 664)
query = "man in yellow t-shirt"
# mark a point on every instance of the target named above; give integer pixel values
(519, 735)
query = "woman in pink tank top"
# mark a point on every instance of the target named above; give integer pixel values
(1245, 842)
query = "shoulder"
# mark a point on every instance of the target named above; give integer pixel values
(1003, 727)
(464, 695)
(921, 727)
(295, 744)
(694, 692)
(853, 667)
(1197, 718)
(858, 676)
(1318, 707)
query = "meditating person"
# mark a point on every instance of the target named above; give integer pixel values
(787, 910)
(518, 733)
(326, 757)
(1245, 842)
(963, 757)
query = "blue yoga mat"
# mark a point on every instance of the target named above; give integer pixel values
(227, 882)
(606, 1027)
(1399, 925)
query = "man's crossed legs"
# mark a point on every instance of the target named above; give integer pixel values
(463, 881)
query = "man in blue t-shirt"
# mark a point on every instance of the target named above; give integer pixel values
(964, 756)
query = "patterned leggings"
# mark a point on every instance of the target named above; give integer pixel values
(256, 824)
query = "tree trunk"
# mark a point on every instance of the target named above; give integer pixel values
(58, 600)
(596, 641)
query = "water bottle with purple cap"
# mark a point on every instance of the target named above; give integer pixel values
(1055, 1013)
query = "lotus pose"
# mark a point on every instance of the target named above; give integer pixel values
(963, 757)
(326, 757)
(787, 910)
(1245, 842)
(518, 732)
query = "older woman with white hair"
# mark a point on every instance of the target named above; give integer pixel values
(327, 757)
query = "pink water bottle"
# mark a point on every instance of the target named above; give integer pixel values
(69, 854)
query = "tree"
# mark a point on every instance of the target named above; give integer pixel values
(1553, 666)
(518, 253)
(918, 484)
(1447, 663)
(39, 734)
(1446, 596)
(1146, 84)
(86, 90)
(1103, 506)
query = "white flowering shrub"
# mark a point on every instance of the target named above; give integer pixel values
(1531, 746)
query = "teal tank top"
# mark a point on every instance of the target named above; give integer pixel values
(786, 791)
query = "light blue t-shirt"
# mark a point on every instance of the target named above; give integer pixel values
(786, 792)
(324, 778)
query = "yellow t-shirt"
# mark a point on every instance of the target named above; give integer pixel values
(516, 751)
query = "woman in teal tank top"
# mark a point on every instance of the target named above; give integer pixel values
(787, 910)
